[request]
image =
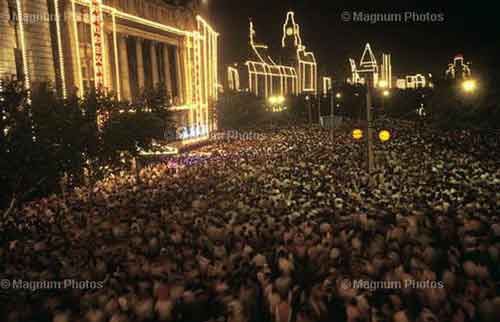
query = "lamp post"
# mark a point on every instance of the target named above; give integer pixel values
(383, 84)
(369, 132)
(332, 111)
(385, 94)
(319, 96)
(309, 112)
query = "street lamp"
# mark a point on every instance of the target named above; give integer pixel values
(357, 134)
(385, 93)
(338, 95)
(384, 135)
(469, 86)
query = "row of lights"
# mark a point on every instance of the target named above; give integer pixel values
(274, 100)
(383, 135)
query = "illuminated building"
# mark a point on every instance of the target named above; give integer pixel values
(327, 85)
(292, 70)
(386, 74)
(401, 83)
(458, 69)
(367, 67)
(412, 82)
(121, 46)
(233, 78)
(355, 79)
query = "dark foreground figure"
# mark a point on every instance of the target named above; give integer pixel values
(286, 227)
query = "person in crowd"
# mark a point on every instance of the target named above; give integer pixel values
(276, 228)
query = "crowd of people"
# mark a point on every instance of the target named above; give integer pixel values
(284, 227)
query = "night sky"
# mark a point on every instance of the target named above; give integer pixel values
(415, 47)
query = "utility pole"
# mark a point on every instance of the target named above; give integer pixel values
(369, 123)
(309, 112)
(319, 95)
(332, 111)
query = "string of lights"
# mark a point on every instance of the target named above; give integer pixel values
(60, 48)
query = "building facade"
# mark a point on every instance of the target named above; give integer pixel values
(288, 69)
(120, 46)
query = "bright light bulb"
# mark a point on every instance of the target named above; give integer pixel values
(382, 83)
(469, 86)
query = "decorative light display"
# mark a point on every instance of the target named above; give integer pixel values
(210, 77)
(368, 64)
(60, 48)
(273, 100)
(291, 80)
(415, 81)
(307, 61)
(115, 52)
(327, 85)
(77, 40)
(386, 71)
(201, 57)
(356, 79)
(233, 78)
(159, 151)
(382, 84)
(20, 19)
(421, 110)
(401, 83)
(267, 69)
(357, 134)
(458, 68)
(290, 28)
(96, 30)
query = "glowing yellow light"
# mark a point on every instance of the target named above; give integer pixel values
(386, 93)
(458, 63)
(60, 49)
(266, 69)
(273, 100)
(201, 55)
(281, 99)
(384, 135)
(386, 71)
(291, 28)
(327, 85)
(469, 86)
(357, 134)
(117, 65)
(96, 27)
(233, 78)
(338, 95)
(20, 16)
(78, 58)
(382, 84)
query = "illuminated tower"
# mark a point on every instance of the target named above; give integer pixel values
(386, 68)
(291, 32)
(354, 70)
(458, 69)
(368, 65)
